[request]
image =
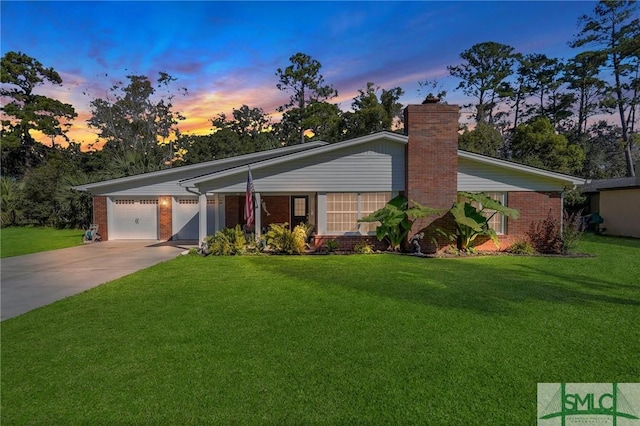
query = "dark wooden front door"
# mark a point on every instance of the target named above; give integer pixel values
(299, 210)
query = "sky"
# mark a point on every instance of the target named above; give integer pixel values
(226, 53)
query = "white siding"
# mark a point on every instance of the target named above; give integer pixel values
(374, 167)
(476, 176)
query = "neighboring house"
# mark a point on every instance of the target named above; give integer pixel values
(617, 201)
(329, 186)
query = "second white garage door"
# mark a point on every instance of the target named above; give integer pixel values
(185, 219)
(134, 219)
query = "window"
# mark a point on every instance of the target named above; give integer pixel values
(344, 210)
(369, 203)
(497, 222)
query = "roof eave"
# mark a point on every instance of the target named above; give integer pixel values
(521, 167)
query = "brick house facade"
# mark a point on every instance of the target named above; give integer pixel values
(340, 182)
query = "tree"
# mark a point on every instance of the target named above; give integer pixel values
(370, 114)
(604, 151)
(581, 74)
(483, 139)
(614, 29)
(131, 119)
(305, 83)
(251, 126)
(27, 111)
(537, 144)
(487, 65)
(10, 201)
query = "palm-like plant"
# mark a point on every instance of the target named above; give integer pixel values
(396, 219)
(472, 223)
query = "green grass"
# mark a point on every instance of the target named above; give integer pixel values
(16, 241)
(378, 339)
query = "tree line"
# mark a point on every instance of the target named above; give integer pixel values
(527, 108)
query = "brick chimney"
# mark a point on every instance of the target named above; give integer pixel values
(431, 157)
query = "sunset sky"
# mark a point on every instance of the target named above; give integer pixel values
(226, 53)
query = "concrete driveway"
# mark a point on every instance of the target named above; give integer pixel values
(35, 280)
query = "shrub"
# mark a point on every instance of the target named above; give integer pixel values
(332, 245)
(283, 240)
(521, 247)
(363, 247)
(545, 235)
(227, 242)
(572, 231)
(551, 237)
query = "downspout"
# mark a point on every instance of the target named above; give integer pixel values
(193, 192)
(562, 210)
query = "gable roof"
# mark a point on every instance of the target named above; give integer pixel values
(393, 137)
(185, 172)
(193, 175)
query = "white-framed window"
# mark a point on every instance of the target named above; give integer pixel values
(345, 208)
(497, 222)
(342, 212)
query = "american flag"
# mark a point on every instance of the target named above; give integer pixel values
(248, 202)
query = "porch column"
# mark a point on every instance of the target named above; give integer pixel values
(202, 217)
(258, 216)
(216, 213)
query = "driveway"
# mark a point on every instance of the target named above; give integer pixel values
(35, 280)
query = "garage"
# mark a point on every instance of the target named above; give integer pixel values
(185, 219)
(134, 219)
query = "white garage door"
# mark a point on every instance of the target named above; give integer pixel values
(185, 219)
(134, 219)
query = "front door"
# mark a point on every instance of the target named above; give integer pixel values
(299, 210)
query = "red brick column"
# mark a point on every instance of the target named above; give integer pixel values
(166, 216)
(431, 162)
(100, 216)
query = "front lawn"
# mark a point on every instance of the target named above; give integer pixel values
(16, 241)
(369, 339)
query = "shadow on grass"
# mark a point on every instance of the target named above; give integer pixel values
(458, 284)
(632, 243)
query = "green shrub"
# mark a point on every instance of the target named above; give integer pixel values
(332, 245)
(521, 247)
(281, 239)
(227, 242)
(363, 247)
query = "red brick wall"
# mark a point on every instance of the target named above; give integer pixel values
(278, 206)
(165, 216)
(100, 216)
(533, 207)
(233, 210)
(431, 162)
